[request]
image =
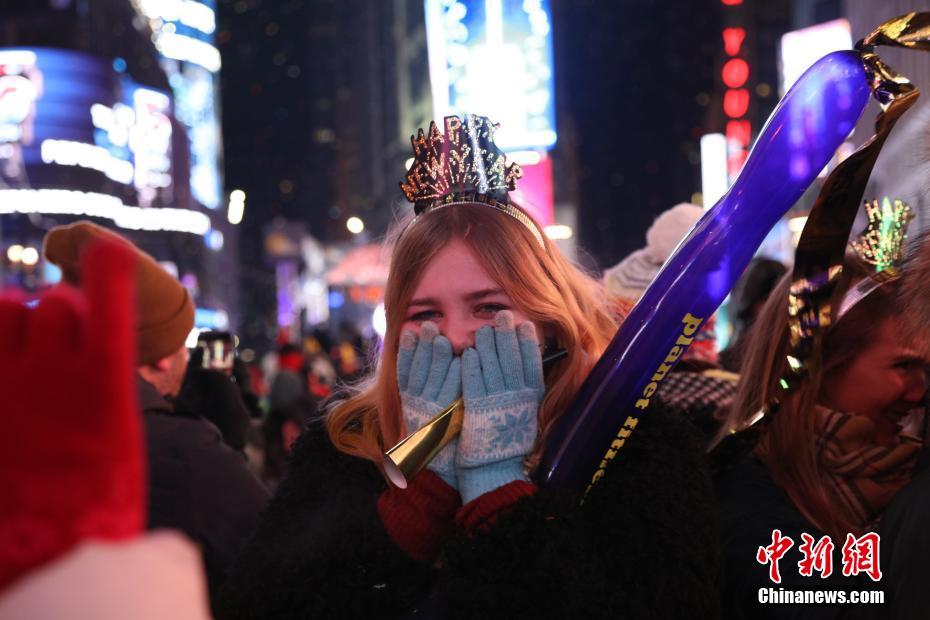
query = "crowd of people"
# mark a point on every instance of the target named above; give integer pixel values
(278, 480)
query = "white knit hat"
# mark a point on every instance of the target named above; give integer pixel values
(632, 276)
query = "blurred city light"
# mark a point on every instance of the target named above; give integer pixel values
(796, 224)
(336, 300)
(30, 256)
(796, 227)
(525, 158)
(379, 320)
(355, 225)
(215, 240)
(188, 49)
(72, 202)
(15, 253)
(187, 12)
(210, 318)
(558, 231)
(71, 153)
(51, 274)
(236, 206)
(191, 342)
(714, 182)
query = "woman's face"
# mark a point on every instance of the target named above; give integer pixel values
(883, 382)
(458, 295)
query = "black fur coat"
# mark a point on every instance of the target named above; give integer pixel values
(642, 545)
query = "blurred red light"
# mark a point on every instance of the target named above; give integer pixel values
(736, 102)
(739, 132)
(735, 162)
(735, 72)
(733, 40)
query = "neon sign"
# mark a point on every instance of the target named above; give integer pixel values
(735, 75)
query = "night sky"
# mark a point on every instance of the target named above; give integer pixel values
(630, 75)
(635, 90)
(266, 129)
(628, 78)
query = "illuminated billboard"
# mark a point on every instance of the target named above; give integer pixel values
(534, 190)
(802, 48)
(494, 58)
(183, 33)
(78, 137)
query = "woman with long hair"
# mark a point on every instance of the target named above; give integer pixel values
(836, 449)
(565, 305)
(475, 298)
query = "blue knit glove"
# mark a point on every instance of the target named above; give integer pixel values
(502, 385)
(429, 379)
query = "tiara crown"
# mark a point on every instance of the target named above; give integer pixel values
(882, 242)
(460, 164)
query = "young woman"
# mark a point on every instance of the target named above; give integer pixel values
(474, 295)
(905, 537)
(836, 450)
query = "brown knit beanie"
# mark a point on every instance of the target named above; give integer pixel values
(165, 312)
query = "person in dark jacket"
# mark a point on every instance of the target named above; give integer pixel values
(475, 292)
(212, 395)
(242, 377)
(834, 454)
(197, 483)
(280, 430)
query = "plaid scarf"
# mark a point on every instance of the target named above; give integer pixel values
(708, 390)
(864, 475)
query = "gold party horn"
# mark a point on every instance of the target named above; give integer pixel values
(415, 451)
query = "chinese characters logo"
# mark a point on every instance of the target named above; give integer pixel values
(860, 555)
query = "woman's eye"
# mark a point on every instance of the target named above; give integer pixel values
(487, 311)
(423, 315)
(906, 364)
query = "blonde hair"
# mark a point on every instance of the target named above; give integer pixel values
(552, 292)
(788, 446)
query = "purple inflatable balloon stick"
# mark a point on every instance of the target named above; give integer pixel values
(816, 115)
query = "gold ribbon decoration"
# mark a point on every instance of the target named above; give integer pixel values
(821, 250)
(819, 258)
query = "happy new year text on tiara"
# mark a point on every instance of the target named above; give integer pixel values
(463, 165)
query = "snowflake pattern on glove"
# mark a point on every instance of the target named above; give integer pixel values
(502, 386)
(511, 429)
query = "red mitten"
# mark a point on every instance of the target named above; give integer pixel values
(71, 448)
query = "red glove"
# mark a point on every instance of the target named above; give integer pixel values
(71, 446)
